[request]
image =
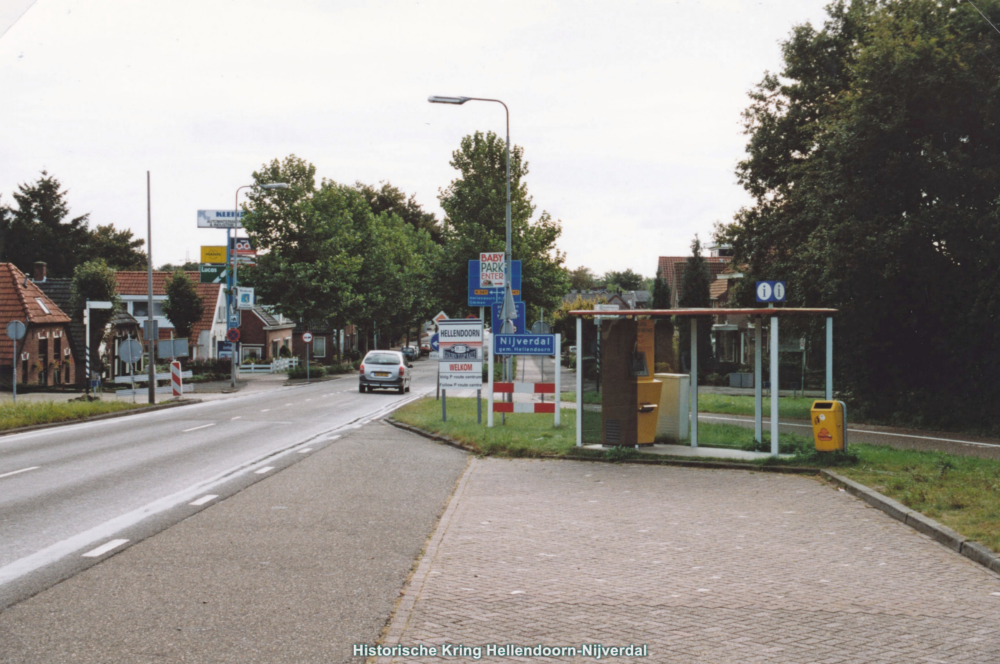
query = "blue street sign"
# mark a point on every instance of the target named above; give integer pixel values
(435, 343)
(524, 344)
(223, 349)
(485, 297)
(770, 291)
(520, 326)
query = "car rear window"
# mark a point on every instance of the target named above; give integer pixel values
(382, 358)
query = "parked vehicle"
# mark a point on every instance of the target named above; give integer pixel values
(409, 352)
(384, 370)
(425, 349)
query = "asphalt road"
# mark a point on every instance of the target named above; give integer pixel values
(295, 569)
(68, 490)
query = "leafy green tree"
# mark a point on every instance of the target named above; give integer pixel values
(95, 281)
(582, 279)
(189, 266)
(661, 292)
(388, 198)
(119, 249)
(39, 229)
(624, 281)
(183, 306)
(872, 161)
(311, 240)
(695, 294)
(475, 209)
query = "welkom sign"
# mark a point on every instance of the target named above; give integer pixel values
(461, 353)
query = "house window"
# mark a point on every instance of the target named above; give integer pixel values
(42, 305)
(319, 347)
(141, 309)
(57, 348)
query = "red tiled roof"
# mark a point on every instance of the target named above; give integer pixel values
(136, 283)
(718, 288)
(21, 299)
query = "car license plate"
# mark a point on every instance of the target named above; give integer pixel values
(381, 374)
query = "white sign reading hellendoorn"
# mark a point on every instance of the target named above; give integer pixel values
(492, 269)
(460, 364)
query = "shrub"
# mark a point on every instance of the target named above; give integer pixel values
(315, 371)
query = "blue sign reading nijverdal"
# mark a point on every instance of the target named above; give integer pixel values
(484, 297)
(524, 344)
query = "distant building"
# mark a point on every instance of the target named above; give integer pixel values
(44, 356)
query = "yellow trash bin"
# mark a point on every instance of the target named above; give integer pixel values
(829, 422)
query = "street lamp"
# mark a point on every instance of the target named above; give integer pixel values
(231, 248)
(508, 313)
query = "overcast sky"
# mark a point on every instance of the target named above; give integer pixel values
(628, 112)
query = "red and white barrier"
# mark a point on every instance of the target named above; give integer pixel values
(175, 378)
(524, 388)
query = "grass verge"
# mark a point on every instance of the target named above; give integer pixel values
(26, 414)
(963, 493)
(790, 407)
(960, 492)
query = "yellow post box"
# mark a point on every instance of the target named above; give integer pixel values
(829, 422)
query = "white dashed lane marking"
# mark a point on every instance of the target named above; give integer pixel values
(305, 450)
(265, 469)
(204, 499)
(104, 548)
(18, 472)
(203, 426)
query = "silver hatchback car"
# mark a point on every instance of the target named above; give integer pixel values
(384, 370)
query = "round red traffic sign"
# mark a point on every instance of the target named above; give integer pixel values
(233, 334)
(307, 337)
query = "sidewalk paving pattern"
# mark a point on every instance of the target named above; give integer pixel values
(294, 569)
(701, 565)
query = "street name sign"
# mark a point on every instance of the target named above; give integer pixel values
(770, 291)
(460, 365)
(220, 219)
(524, 344)
(484, 296)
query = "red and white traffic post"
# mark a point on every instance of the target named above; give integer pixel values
(175, 378)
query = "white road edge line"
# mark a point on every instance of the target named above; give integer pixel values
(204, 499)
(265, 469)
(868, 431)
(104, 548)
(203, 426)
(23, 470)
(74, 543)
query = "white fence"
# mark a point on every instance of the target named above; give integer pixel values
(144, 378)
(276, 366)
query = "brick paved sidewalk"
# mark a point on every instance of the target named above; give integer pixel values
(701, 565)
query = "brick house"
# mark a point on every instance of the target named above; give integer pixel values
(262, 334)
(205, 333)
(43, 356)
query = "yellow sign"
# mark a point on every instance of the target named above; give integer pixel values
(213, 255)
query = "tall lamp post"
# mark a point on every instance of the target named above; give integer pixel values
(509, 312)
(230, 247)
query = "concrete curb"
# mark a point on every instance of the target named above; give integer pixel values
(971, 549)
(106, 416)
(659, 461)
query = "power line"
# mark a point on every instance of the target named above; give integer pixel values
(984, 16)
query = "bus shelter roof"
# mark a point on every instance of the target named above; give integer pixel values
(663, 313)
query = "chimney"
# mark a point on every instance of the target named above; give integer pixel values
(40, 270)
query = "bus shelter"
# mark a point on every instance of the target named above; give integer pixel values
(634, 364)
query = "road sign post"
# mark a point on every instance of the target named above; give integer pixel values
(15, 332)
(307, 338)
(130, 351)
